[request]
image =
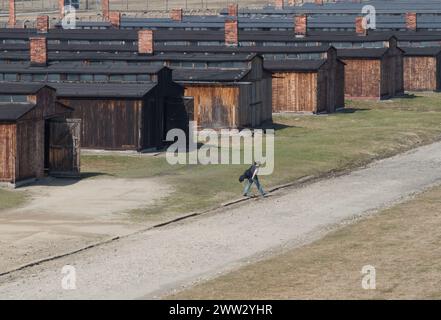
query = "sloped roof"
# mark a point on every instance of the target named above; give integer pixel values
(21, 88)
(79, 68)
(362, 53)
(423, 51)
(293, 65)
(103, 90)
(14, 111)
(209, 75)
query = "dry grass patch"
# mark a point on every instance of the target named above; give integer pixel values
(403, 243)
(10, 199)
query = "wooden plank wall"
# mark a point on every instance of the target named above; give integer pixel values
(337, 79)
(215, 106)
(178, 111)
(340, 85)
(387, 71)
(438, 73)
(362, 78)
(64, 144)
(399, 72)
(7, 152)
(267, 97)
(250, 106)
(294, 91)
(392, 74)
(326, 87)
(259, 103)
(108, 124)
(153, 123)
(30, 147)
(420, 73)
(323, 91)
(46, 106)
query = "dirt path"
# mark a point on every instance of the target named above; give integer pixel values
(153, 263)
(65, 215)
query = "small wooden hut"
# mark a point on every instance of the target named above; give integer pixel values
(375, 73)
(124, 116)
(229, 97)
(27, 148)
(422, 69)
(315, 85)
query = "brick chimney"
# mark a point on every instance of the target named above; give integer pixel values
(42, 24)
(61, 8)
(115, 19)
(233, 9)
(176, 14)
(359, 29)
(231, 33)
(12, 20)
(278, 4)
(411, 21)
(145, 42)
(105, 7)
(38, 50)
(318, 2)
(301, 25)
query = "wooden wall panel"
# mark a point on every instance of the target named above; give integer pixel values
(30, 149)
(64, 147)
(386, 84)
(362, 78)
(294, 92)
(392, 81)
(108, 124)
(438, 73)
(215, 106)
(260, 100)
(340, 86)
(246, 113)
(399, 72)
(153, 123)
(420, 73)
(7, 152)
(267, 97)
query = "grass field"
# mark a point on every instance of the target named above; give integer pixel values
(402, 243)
(305, 145)
(11, 199)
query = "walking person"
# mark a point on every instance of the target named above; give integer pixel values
(251, 177)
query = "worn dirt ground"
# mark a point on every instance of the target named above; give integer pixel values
(155, 263)
(65, 215)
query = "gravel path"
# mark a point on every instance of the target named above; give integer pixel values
(150, 264)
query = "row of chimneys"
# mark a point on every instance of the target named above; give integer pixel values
(39, 51)
(231, 25)
(38, 45)
(301, 24)
(301, 21)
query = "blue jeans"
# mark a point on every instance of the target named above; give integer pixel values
(249, 184)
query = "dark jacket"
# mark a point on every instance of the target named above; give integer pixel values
(248, 174)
